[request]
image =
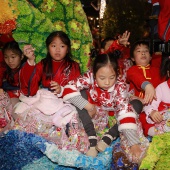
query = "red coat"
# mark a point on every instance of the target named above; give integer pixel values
(164, 20)
(136, 75)
(61, 74)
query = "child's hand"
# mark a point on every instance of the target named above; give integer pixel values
(156, 116)
(136, 152)
(29, 53)
(123, 40)
(150, 94)
(55, 87)
(91, 109)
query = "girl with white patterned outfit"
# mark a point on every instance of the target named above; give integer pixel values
(108, 92)
(158, 112)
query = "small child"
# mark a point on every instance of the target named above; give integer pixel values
(107, 92)
(106, 43)
(109, 45)
(141, 77)
(18, 71)
(157, 112)
(57, 69)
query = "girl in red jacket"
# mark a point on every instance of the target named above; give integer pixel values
(57, 69)
(18, 70)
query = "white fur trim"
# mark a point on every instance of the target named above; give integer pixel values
(128, 114)
(127, 126)
(61, 93)
(71, 95)
(70, 87)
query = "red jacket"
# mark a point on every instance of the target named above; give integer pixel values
(61, 74)
(164, 20)
(21, 79)
(136, 75)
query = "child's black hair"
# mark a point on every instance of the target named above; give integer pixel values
(138, 43)
(47, 62)
(103, 59)
(14, 47)
(104, 41)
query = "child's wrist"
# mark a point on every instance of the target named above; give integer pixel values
(92, 108)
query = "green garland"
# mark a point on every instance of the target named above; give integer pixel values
(158, 154)
(38, 18)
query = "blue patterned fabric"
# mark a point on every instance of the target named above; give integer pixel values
(24, 151)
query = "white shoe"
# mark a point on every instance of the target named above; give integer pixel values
(92, 152)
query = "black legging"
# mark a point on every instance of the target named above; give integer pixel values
(85, 118)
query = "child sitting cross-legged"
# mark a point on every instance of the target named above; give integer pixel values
(107, 92)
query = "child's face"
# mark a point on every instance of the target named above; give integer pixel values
(57, 49)
(12, 59)
(105, 77)
(141, 55)
(108, 44)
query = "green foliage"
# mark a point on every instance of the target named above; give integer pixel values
(38, 18)
(122, 15)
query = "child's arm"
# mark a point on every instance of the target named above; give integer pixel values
(156, 116)
(152, 108)
(121, 43)
(135, 76)
(150, 94)
(123, 39)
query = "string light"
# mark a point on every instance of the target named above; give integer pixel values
(102, 8)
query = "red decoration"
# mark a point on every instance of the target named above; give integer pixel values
(7, 27)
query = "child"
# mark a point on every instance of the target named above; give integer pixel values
(109, 45)
(142, 77)
(57, 69)
(106, 43)
(18, 71)
(107, 92)
(158, 111)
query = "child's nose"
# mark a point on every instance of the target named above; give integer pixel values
(143, 52)
(107, 81)
(57, 49)
(9, 60)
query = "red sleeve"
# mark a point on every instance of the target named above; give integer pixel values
(115, 46)
(163, 20)
(75, 72)
(28, 85)
(135, 77)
